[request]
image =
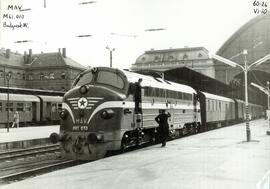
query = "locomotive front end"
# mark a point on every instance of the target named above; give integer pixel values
(91, 114)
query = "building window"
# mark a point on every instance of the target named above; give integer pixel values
(199, 55)
(143, 59)
(185, 56)
(1, 106)
(51, 76)
(156, 58)
(1, 73)
(18, 75)
(30, 77)
(41, 76)
(170, 58)
(63, 75)
(23, 76)
(10, 73)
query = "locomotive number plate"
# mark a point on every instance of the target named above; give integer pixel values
(80, 128)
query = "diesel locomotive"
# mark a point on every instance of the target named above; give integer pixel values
(110, 109)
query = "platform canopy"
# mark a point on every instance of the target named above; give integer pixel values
(192, 78)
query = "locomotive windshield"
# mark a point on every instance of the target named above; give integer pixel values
(111, 79)
(83, 79)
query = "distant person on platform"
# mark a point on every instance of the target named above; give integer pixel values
(163, 126)
(16, 119)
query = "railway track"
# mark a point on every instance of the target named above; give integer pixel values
(24, 163)
(29, 152)
(60, 164)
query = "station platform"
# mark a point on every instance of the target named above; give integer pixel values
(23, 137)
(218, 159)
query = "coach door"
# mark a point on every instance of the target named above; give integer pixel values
(34, 111)
(136, 90)
(171, 111)
(48, 111)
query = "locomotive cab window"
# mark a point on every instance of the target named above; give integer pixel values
(84, 79)
(111, 79)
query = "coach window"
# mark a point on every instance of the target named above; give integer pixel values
(19, 106)
(153, 92)
(27, 107)
(157, 92)
(180, 95)
(185, 96)
(163, 93)
(111, 79)
(10, 105)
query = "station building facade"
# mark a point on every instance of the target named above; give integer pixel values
(195, 58)
(46, 71)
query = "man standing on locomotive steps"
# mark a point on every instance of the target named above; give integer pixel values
(163, 126)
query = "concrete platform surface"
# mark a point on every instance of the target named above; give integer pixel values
(27, 133)
(219, 159)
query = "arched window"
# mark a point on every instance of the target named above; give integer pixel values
(185, 56)
(170, 58)
(156, 58)
(1, 73)
(23, 76)
(63, 75)
(51, 76)
(41, 76)
(19, 75)
(143, 59)
(30, 77)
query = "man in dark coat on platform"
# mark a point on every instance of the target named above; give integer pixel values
(163, 126)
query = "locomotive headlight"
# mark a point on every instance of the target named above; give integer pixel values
(54, 138)
(63, 114)
(83, 89)
(107, 114)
